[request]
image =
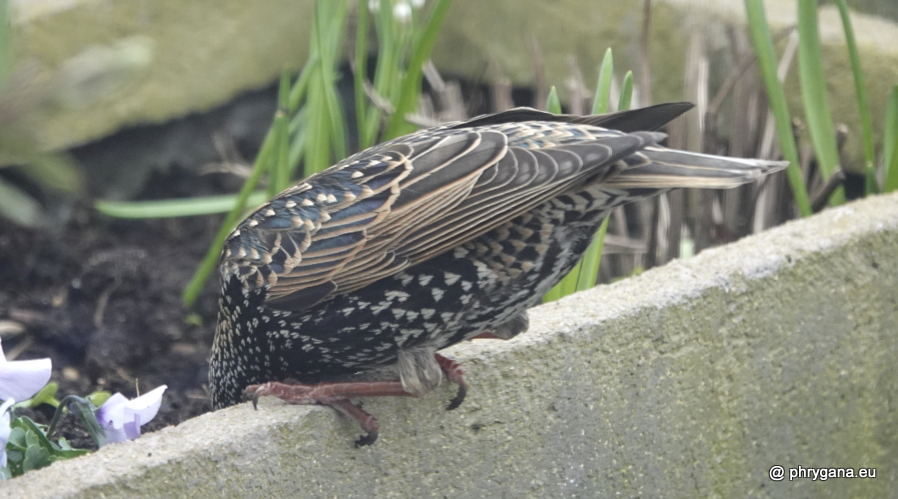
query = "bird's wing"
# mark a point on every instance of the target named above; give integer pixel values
(632, 120)
(405, 201)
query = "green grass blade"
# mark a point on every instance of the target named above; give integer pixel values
(890, 144)
(330, 56)
(301, 87)
(279, 169)
(360, 74)
(282, 155)
(603, 87)
(862, 103)
(18, 206)
(387, 69)
(298, 142)
(192, 291)
(282, 127)
(626, 92)
(760, 35)
(169, 208)
(553, 105)
(813, 94)
(411, 85)
(589, 267)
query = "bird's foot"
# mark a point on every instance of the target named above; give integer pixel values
(335, 395)
(456, 374)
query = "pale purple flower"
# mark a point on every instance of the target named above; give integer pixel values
(5, 430)
(121, 418)
(20, 379)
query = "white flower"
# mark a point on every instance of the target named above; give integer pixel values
(20, 379)
(402, 12)
(417, 4)
(5, 430)
(121, 418)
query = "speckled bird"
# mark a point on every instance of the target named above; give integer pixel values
(428, 240)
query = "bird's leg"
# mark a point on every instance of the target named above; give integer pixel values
(508, 330)
(456, 374)
(487, 335)
(335, 395)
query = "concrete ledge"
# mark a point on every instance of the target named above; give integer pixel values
(691, 380)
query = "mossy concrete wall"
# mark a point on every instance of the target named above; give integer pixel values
(115, 63)
(690, 380)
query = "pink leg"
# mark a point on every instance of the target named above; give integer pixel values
(337, 395)
(456, 374)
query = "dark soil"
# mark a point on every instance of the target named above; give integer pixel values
(102, 299)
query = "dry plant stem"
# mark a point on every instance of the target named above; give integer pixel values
(539, 73)
(645, 80)
(822, 198)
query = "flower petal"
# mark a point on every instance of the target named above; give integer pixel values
(132, 429)
(20, 379)
(146, 406)
(121, 418)
(5, 429)
(111, 414)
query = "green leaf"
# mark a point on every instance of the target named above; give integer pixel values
(86, 412)
(890, 143)
(589, 267)
(192, 291)
(411, 85)
(553, 105)
(19, 206)
(360, 74)
(36, 457)
(280, 169)
(168, 208)
(17, 438)
(760, 35)
(813, 94)
(99, 397)
(626, 92)
(47, 395)
(603, 87)
(863, 106)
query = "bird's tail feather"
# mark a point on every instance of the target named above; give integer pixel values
(669, 168)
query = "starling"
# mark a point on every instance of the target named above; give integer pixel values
(428, 240)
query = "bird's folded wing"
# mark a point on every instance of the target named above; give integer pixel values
(401, 203)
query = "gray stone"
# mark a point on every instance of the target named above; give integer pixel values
(690, 380)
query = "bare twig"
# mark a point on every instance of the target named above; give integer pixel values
(539, 73)
(819, 201)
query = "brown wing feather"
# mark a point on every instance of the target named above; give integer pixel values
(400, 203)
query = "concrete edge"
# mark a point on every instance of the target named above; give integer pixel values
(217, 451)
